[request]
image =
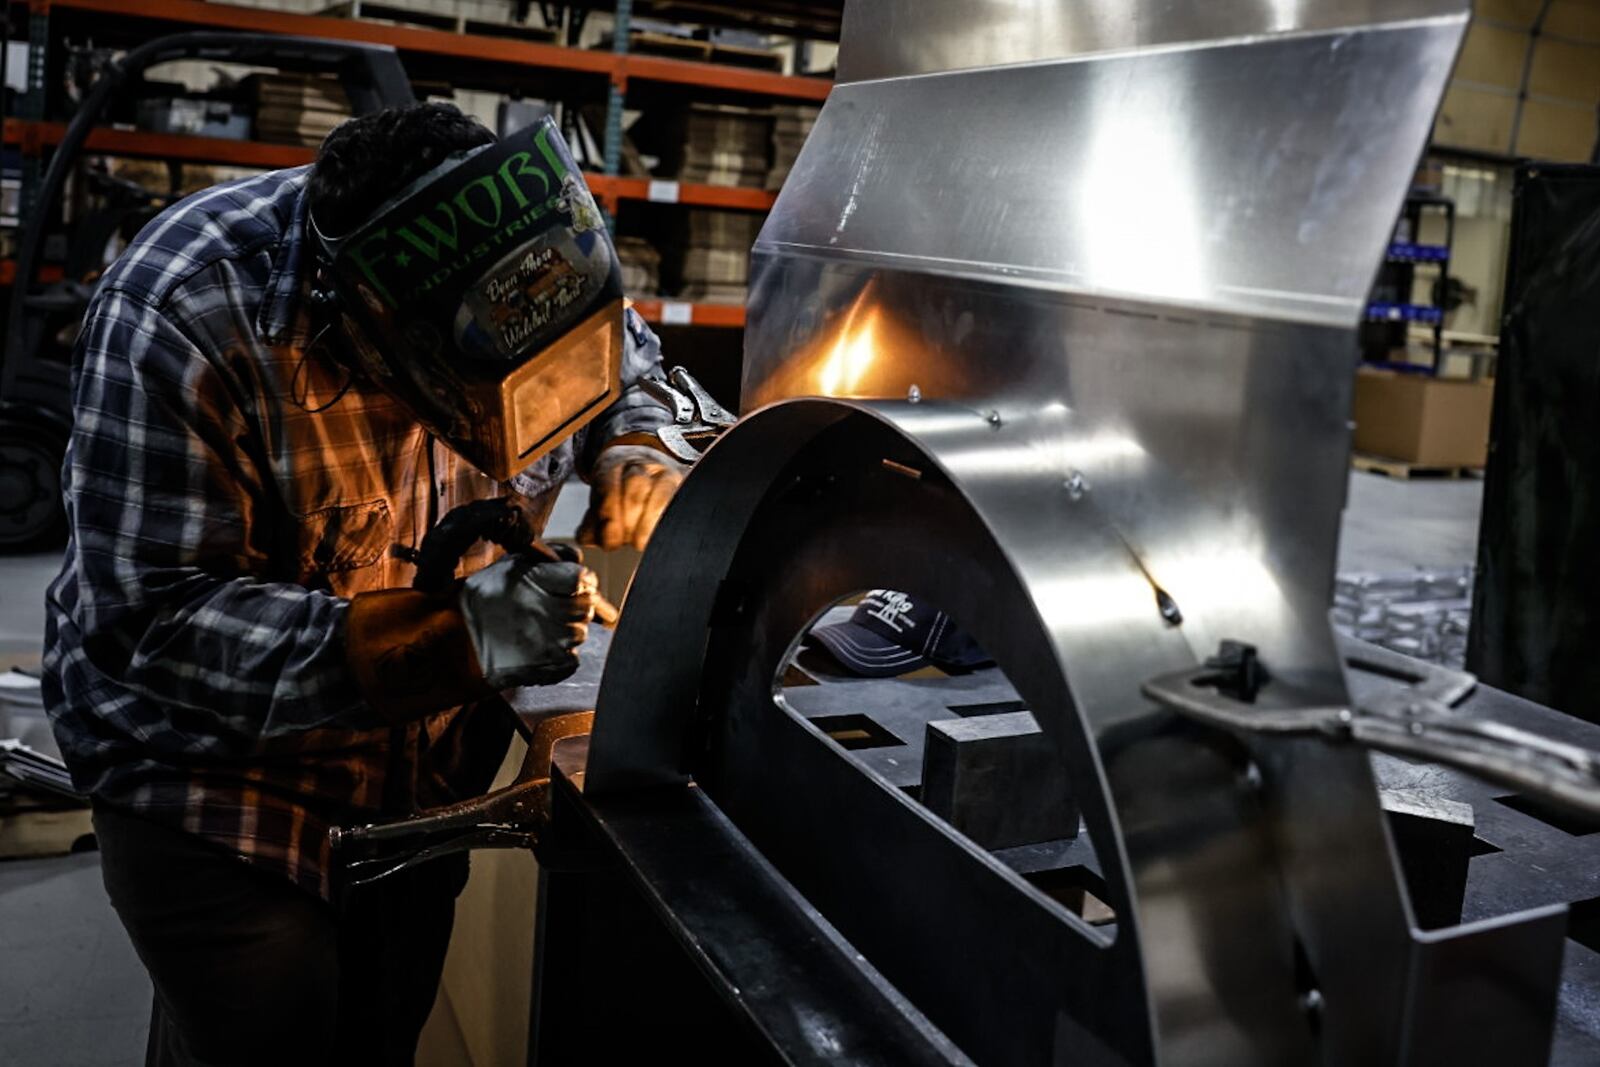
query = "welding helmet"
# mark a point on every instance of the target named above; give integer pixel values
(486, 297)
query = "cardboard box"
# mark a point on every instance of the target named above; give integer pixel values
(1431, 422)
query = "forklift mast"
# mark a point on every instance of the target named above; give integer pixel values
(35, 403)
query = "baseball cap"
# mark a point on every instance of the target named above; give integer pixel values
(890, 633)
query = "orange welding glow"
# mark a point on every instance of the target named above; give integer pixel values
(851, 357)
(866, 350)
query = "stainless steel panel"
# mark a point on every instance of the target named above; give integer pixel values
(1248, 178)
(1213, 448)
(896, 38)
(1112, 298)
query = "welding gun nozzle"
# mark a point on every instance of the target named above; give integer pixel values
(605, 612)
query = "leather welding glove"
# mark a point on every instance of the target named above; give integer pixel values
(516, 622)
(526, 617)
(631, 486)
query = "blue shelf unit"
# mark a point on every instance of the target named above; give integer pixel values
(1391, 309)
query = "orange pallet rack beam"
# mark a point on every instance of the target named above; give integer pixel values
(723, 196)
(50, 272)
(465, 46)
(144, 144)
(192, 149)
(671, 313)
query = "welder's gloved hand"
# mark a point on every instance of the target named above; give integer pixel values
(631, 487)
(526, 616)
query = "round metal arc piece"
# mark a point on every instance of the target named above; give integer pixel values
(811, 500)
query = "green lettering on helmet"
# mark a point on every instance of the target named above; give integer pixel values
(509, 176)
(440, 237)
(551, 156)
(463, 201)
(368, 264)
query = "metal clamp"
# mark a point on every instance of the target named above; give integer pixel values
(1418, 722)
(512, 817)
(697, 419)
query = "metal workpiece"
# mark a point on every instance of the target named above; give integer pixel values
(997, 780)
(1143, 244)
(812, 500)
(902, 38)
(786, 974)
(1053, 327)
(1250, 176)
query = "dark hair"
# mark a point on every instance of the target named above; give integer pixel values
(369, 159)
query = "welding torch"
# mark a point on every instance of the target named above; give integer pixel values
(503, 521)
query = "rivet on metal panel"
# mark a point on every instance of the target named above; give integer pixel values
(1077, 486)
(914, 394)
(994, 419)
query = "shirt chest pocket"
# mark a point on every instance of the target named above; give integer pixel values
(333, 542)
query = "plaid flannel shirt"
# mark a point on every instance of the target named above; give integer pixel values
(227, 491)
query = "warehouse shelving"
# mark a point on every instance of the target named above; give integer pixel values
(8, 272)
(815, 19)
(1391, 310)
(667, 312)
(470, 60)
(32, 136)
(1408, 252)
(158, 16)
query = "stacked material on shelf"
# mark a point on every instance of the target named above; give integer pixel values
(641, 266)
(1422, 613)
(155, 175)
(727, 145)
(481, 17)
(194, 117)
(28, 752)
(41, 814)
(790, 127)
(297, 109)
(716, 255)
(22, 715)
(676, 45)
(27, 770)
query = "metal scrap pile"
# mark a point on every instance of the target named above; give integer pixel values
(1422, 613)
(30, 762)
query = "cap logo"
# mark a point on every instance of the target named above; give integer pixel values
(891, 609)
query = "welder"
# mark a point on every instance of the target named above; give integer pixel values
(279, 388)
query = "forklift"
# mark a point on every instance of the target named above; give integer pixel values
(43, 319)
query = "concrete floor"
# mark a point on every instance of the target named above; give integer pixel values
(72, 993)
(1392, 525)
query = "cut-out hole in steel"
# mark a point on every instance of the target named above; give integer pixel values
(854, 732)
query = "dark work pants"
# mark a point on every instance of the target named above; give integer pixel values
(250, 969)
